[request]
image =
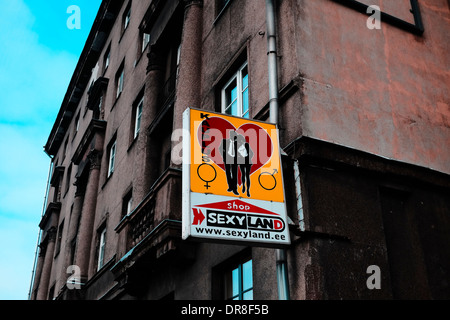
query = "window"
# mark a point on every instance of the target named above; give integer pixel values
(56, 182)
(112, 158)
(172, 63)
(101, 248)
(232, 279)
(136, 116)
(145, 40)
(98, 114)
(51, 293)
(77, 124)
(65, 148)
(69, 176)
(235, 94)
(137, 122)
(73, 247)
(59, 238)
(107, 58)
(178, 59)
(119, 80)
(239, 282)
(126, 17)
(221, 5)
(127, 204)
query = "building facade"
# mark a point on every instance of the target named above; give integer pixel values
(364, 118)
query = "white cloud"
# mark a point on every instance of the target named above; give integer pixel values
(34, 80)
(17, 251)
(22, 172)
(33, 77)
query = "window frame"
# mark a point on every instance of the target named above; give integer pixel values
(100, 106)
(77, 123)
(59, 238)
(120, 79)
(221, 6)
(238, 77)
(101, 248)
(146, 38)
(230, 281)
(126, 18)
(107, 58)
(112, 157)
(127, 203)
(138, 117)
(66, 144)
(68, 179)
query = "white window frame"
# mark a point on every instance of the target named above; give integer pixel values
(120, 82)
(107, 57)
(178, 59)
(101, 249)
(77, 125)
(112, 158)
(240, 99)
(127, 19)
(100, 102)
(137, 121)
(129, 205)
(145, 40)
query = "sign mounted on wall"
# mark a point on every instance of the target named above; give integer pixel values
(232, 180)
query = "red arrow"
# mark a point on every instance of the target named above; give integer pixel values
(198, 217)
(236, 205)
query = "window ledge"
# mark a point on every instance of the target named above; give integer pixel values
(105, 268)
(116, 101)
(221, 13)
(141, 54)
(107, 179)
(133, 142)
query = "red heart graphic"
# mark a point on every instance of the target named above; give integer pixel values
(213, 131)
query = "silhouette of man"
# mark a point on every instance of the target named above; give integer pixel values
(228, 150)
(244, 160)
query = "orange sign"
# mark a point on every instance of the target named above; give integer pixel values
(234, 157)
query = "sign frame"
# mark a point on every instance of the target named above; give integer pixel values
(231, 219)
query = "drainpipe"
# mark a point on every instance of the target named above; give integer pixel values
(33, 272)
(298, 192)
(272, 59)
(281, 256)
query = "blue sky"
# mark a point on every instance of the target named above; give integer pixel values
(38, 55)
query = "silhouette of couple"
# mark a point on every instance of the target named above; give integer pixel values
(236, 152)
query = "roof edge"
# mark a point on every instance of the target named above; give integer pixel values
(95, 43)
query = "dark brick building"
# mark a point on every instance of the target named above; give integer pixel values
(364, 118)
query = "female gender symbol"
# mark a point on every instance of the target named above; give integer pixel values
(207, 186)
